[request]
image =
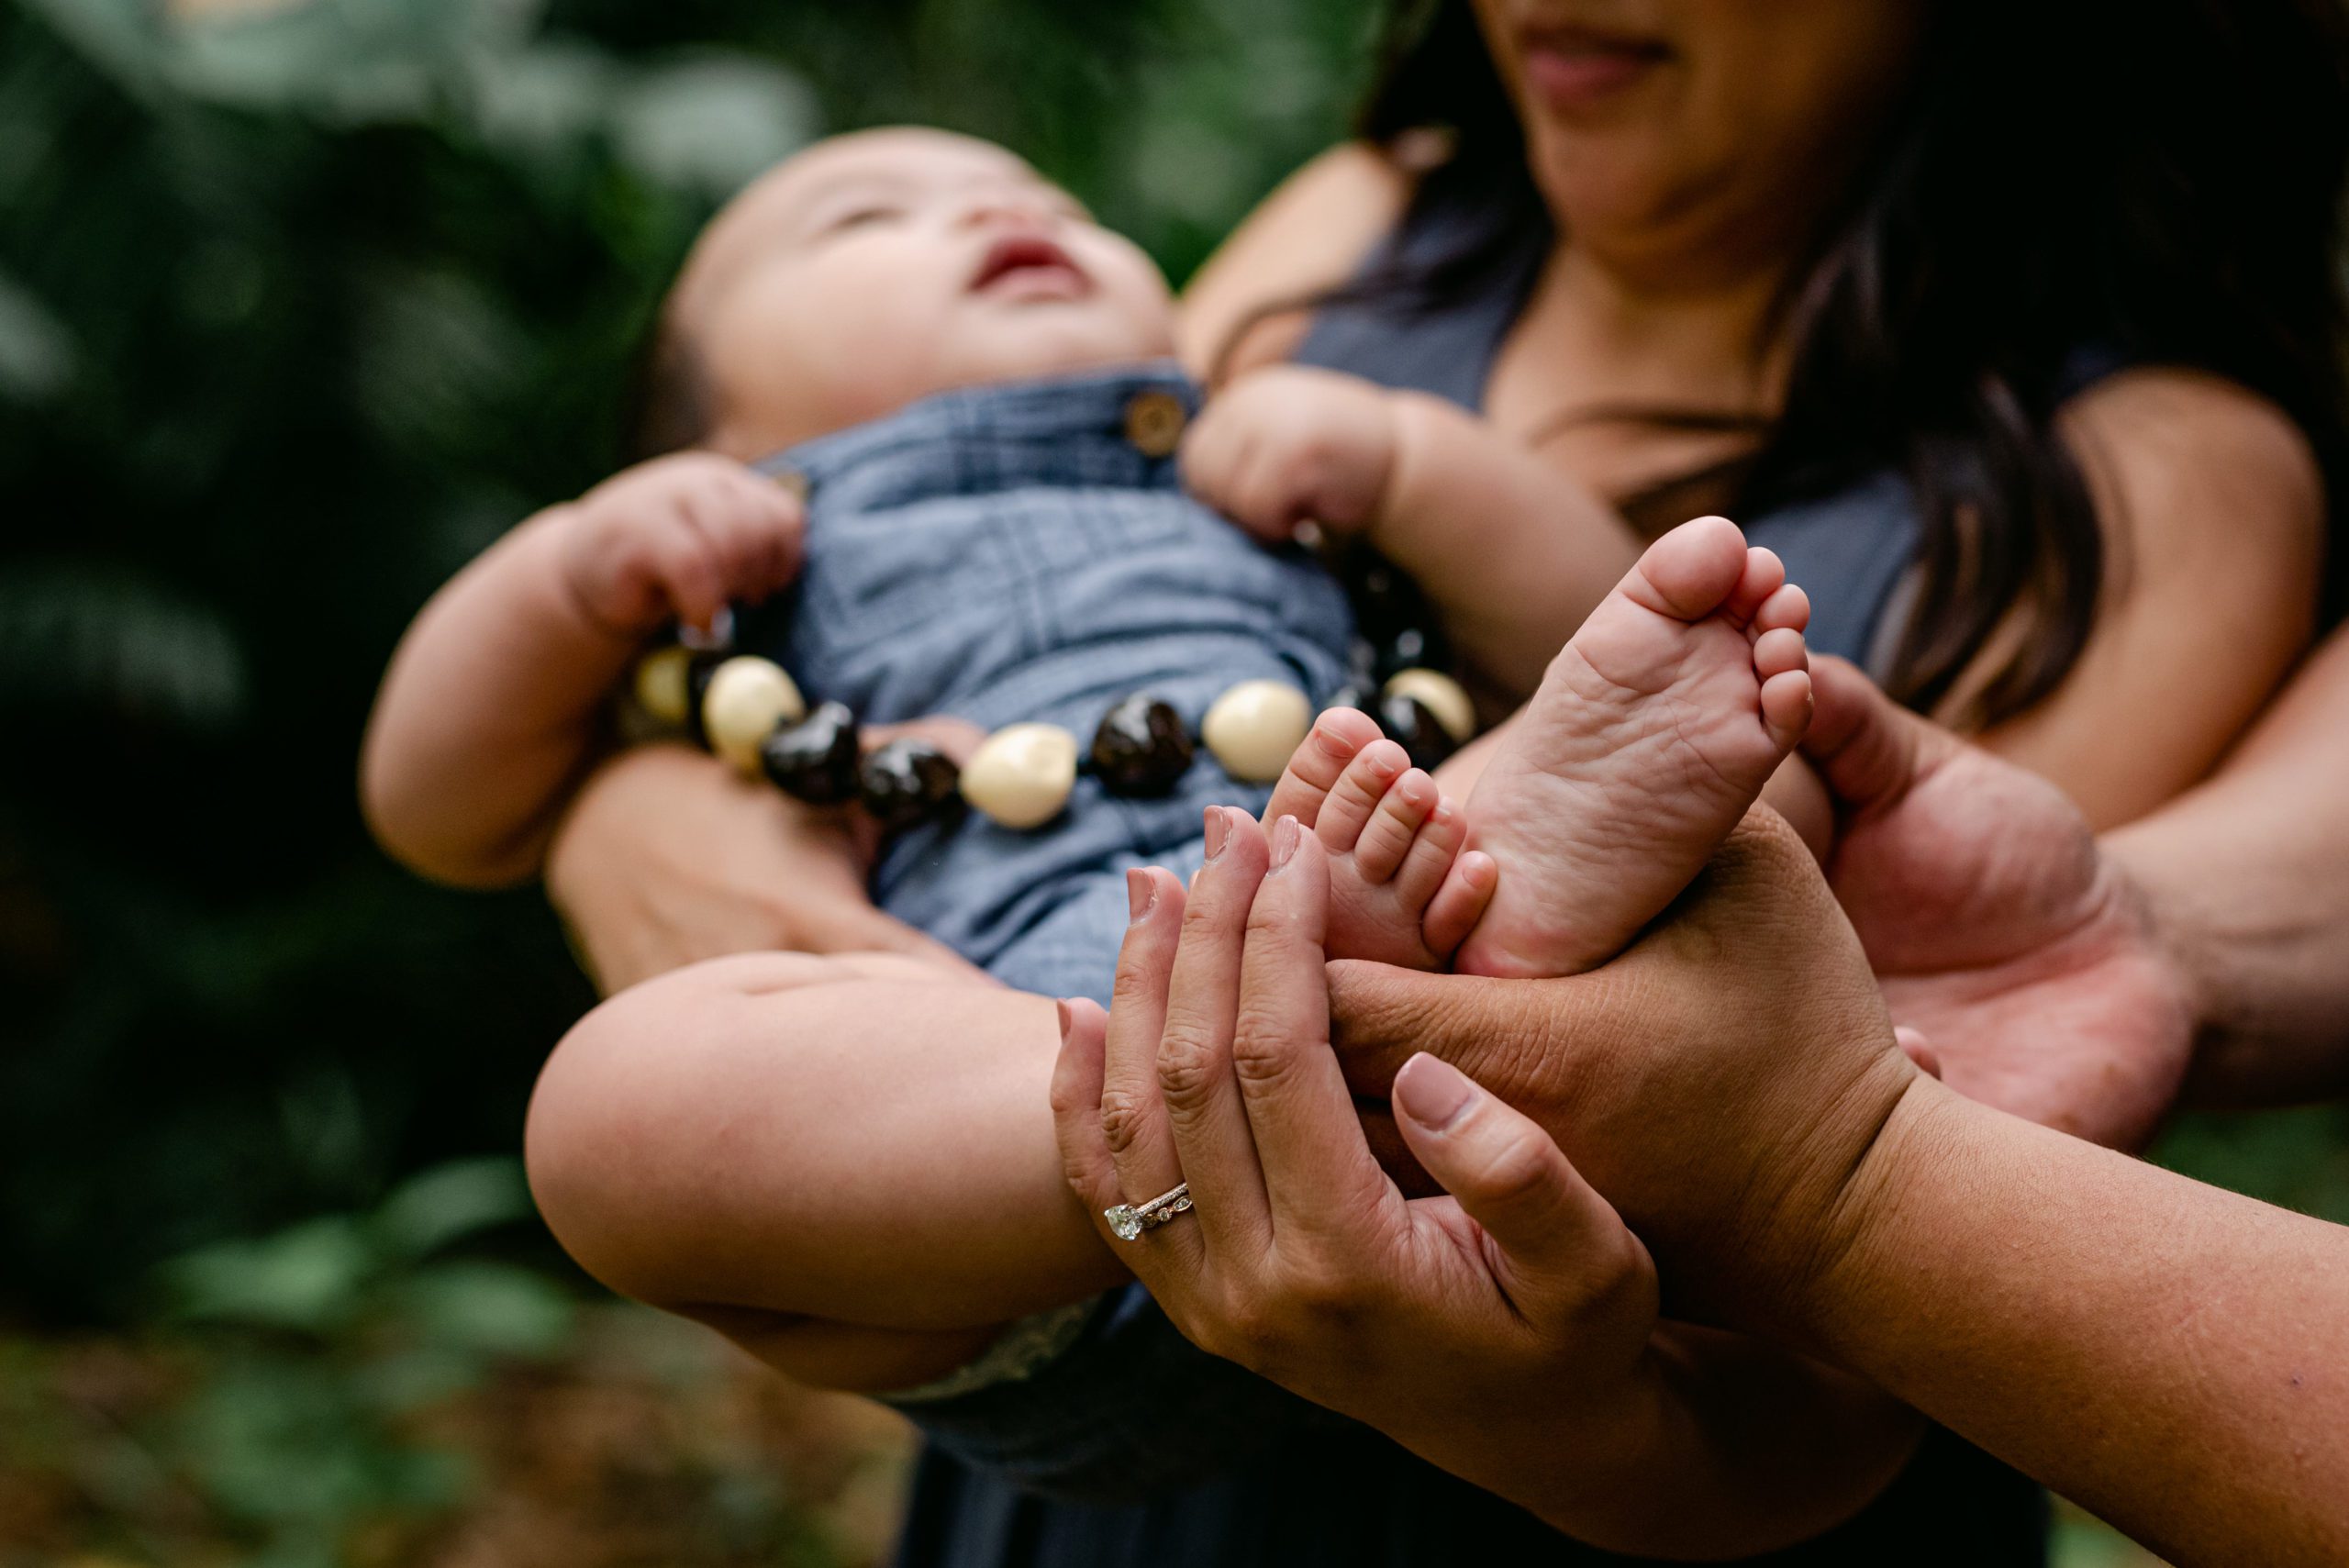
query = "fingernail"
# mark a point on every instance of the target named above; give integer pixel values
(1066, 1021)
(1433, 1091)
(1218, 831)
(1285, 834)
(1141, 892)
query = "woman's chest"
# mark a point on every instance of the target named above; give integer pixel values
(1663, 429)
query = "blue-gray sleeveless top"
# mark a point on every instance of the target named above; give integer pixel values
(1135, 1451)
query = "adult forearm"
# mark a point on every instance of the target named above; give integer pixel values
(488, 715)
(2174, 1357)
(2248, 879)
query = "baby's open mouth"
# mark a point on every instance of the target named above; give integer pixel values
(1029, 265)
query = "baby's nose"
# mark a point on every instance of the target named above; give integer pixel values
(1007, 209)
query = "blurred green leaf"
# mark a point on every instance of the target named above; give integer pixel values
(118, 643)
(709, 121)
(37, 351)
(450, 1202)
(348, 62)
(307, 1277)
(485, 1308)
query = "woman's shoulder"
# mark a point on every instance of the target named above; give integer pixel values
(1309, 234)
(2177, 457)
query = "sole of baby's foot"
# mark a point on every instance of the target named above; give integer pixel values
(1652, 734)
(1401, 890)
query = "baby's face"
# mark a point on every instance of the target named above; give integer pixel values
(878, 268)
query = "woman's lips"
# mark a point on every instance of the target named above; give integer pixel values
(1569, 69)
(1029, 266)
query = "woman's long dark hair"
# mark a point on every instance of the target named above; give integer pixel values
(2155, 180)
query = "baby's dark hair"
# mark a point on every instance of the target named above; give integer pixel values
(668, 406)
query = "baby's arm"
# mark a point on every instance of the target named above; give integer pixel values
(845, 1164)
(493, 703)
(1511, 550)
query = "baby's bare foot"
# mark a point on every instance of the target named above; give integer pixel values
(1400, 890)
(1650, 735)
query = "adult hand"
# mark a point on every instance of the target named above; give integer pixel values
(1995, 923)
(1508, 1331)
(668, 857)
(1718, 1082)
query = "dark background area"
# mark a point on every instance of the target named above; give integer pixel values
(303, 302)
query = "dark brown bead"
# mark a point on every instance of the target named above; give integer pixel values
(1412, 725)
(705, 663)
(908, 783)
(1141, 747)
(1414, 648)
(815, 760)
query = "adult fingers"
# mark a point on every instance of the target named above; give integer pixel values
(1381, 1016)
(1212, 1142)
(1868, 749)
(1319, 1179)
(1076, 1105)
(1133, 1116)
(1560, 1243)
(1167, 1261)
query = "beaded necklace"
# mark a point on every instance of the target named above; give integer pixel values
(748, 711)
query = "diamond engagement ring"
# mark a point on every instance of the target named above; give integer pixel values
(1128, 1221)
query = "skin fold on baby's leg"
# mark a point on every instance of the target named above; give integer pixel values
(846, 1164)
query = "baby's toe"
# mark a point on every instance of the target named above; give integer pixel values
(1336, 738)
(1775, 653)
(1431, 853)
(1352, 802)
(1459, 903)
(1787, 707)
(1786, 609)
(1764, 575)
(1388, 838)
(1688, 572)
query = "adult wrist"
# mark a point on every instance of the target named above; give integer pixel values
(1861, 1235)
(2157, 891)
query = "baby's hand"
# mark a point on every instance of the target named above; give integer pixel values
(1291, 445)
(678, 538)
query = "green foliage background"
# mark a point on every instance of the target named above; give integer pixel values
(302, 302)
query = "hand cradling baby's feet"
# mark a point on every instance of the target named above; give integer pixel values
(1401, 891)
(1652, 734)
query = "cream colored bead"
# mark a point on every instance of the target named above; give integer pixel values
(747, 697)
(1254, 727)
(1022, 774)
(1440, 695)
(661, 689)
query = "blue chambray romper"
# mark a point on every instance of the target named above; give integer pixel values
(1010, 553)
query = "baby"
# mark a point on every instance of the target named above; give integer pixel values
(948, 357)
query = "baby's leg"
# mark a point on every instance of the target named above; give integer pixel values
(846, 1164)
(1654, 731)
